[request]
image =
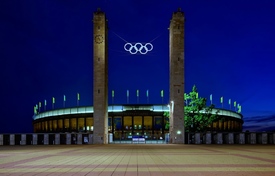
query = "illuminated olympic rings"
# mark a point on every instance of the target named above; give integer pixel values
(138, 47)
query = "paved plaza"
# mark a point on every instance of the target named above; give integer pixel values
(138, 159)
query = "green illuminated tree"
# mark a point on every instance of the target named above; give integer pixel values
(197, 115)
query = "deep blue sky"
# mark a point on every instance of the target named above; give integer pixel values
(46, 51)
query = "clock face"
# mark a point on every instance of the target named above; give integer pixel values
(99, 39)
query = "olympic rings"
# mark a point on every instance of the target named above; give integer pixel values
(138, 47)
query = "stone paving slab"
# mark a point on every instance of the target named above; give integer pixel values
(138, 160)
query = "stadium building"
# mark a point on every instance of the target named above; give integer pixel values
(125, 121)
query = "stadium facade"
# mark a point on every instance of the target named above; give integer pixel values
(125, 121)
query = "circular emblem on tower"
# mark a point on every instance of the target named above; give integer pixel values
(99, 39)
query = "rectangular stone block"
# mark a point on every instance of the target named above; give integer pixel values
(241, 138)
(68, 139)
(57, 139)
(264, 138)
(79, 139)
(110, 138)
(219, 138)
(90, 139)
(23, 139)
(34, 139)
(1, 139)
(252, 138)
(197, 138)
(230, 138)
(12, 139)
(46, 139)
(208, 139)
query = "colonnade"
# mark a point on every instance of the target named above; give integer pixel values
(123, 124)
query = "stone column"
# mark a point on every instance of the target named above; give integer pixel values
(176, 88)
(100, 90)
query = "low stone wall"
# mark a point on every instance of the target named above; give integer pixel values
(86, 138)
(231, 138)
(46, 139)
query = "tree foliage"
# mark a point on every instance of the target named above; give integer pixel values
(197, 115)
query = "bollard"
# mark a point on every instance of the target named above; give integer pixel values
(219, 138)
(208, 138)
(197, 138)
(46, 139)
(241, 138)
(34, 139)
(252, 138)
(1, 139)
(57, 139)
(68, 139)
(79, 139)
(23, 139)
(12, 139)
(90, 139)
(264, 138)
(230, 138)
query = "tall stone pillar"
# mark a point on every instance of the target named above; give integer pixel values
(100, 91)
(176, 46)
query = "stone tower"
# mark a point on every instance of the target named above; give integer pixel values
(100, 102)
(176, 60)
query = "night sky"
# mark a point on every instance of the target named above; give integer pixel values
(46, 51)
